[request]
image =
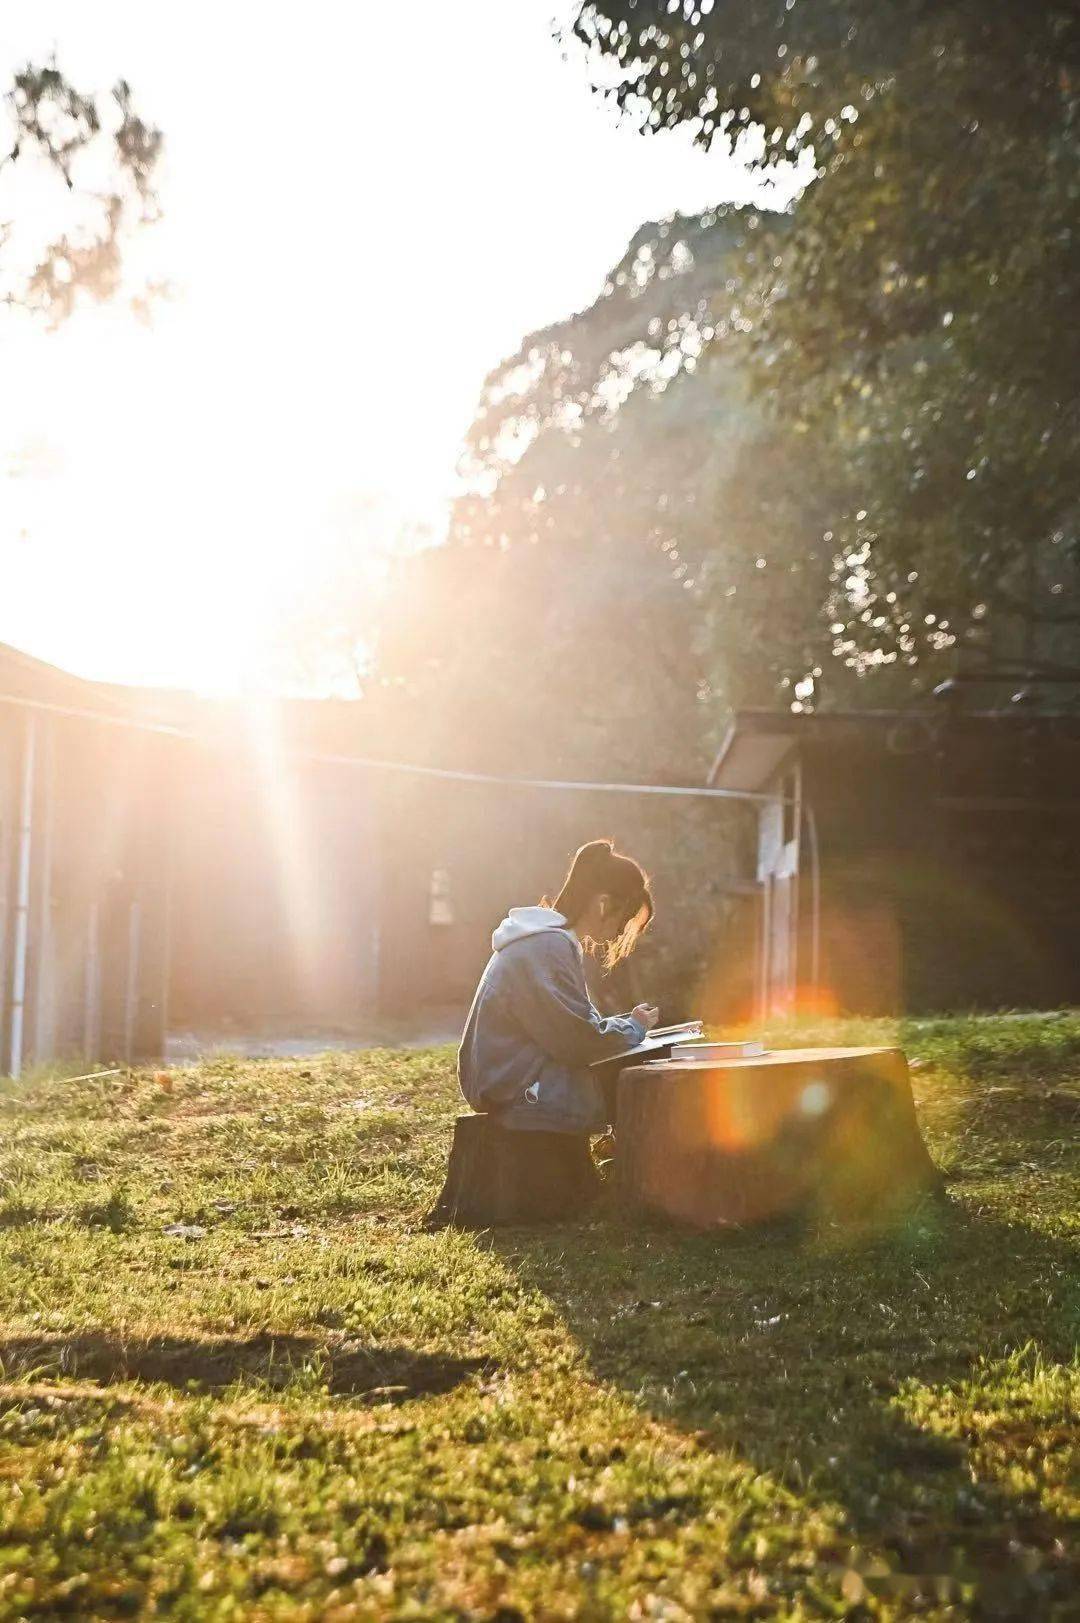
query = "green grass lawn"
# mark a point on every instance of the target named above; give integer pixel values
(301, 1405)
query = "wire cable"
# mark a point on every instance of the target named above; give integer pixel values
(377, 764)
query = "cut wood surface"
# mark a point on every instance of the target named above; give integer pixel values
(780, 1056)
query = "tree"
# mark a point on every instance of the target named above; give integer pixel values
(916, 321)
(91, 160)
(619, 460)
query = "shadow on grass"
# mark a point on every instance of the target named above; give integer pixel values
(385, 1374)
(835, 1365)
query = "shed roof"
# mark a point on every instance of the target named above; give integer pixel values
(755, 747)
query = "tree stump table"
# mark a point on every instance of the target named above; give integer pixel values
(746, 1140)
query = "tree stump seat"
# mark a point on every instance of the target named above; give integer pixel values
(497, 1176)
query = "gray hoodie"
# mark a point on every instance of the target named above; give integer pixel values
(533, 1030)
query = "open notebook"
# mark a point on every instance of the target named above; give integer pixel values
(657, 1045)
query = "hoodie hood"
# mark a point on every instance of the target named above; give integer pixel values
(526, 921)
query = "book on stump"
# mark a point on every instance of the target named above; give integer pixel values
(715, 1053)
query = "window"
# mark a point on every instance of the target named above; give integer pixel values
(440, 907)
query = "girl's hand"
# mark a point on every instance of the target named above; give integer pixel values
(646, 1015)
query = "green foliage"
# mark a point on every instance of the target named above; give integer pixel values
(315, 1410)
(916, 320)
(96, 158)
(621, 458)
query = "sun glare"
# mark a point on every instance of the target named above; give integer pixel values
(167, 493)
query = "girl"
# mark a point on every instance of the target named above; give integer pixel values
(533, 1030)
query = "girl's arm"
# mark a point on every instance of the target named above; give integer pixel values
(551, 1001)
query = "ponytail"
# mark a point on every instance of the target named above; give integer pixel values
(599, 870)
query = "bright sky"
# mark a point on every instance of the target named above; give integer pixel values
(365, 207)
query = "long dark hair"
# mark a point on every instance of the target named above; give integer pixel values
(599, 870)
